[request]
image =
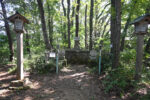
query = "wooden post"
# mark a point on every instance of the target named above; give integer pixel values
(20, 74)
(139, 55)
(18, 20)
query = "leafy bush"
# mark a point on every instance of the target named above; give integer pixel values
(105, 63)
(12, 70)
(4, 50)
(128, 56)
(41, 67)
(121, 78)
(38, 64)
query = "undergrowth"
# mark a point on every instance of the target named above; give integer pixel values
(37, 64)
(121, 79)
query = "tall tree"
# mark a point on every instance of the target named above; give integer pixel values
(64, 26)
(11, 50)
(91, 25)
(77, 23)
(115, 31)
(68, 18)
(50, 24)
(86, 44)
(73, 13)
(42, 16)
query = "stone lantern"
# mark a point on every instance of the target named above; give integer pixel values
(18, 20)
(141, 28)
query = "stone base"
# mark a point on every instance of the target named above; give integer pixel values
(16, 83)
(77, 56)
(20, 85)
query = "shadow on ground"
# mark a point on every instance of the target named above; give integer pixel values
(73, 83)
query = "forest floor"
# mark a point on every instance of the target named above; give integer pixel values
(72, 83)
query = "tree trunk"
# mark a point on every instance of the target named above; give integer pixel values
(68, 17)
(125, 32)
(50, 25)
(91, 24)
(77, 25)
(64, 9)
(72, 20)
(96, 19)
(45, 35)
(86, 45)
(11, 49)
(115, 31)
(73, 13)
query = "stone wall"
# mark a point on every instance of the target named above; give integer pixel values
(77, 56)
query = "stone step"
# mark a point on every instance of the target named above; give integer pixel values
(16, 83)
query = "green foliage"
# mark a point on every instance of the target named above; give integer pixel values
(121, 78)
(128, 56)
(41, 67)
(4, 50)
(93, 70)
(37, 64)
(12, 70)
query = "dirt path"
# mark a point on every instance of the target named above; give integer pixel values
(71, 84)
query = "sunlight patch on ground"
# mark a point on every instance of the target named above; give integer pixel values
(28, 98)
(35, 85)
(5, 85)
(49, 91)
(78, 74)
(3, 74)
(17, 98)
(72, 76)
(7, 77)
(142, 91)
(3, 93)
(66, 70)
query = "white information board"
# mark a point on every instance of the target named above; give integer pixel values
(52, 54)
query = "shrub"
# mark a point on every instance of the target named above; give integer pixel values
(38, 64)
(121, 78)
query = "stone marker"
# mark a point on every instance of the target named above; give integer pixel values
(93, 54)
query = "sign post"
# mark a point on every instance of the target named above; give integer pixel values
(100, 51)
(57, 59)
(141, 28)
(18, 20)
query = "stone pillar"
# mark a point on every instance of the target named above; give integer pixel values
(77, 43)
(20, 74)
(139, 56)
